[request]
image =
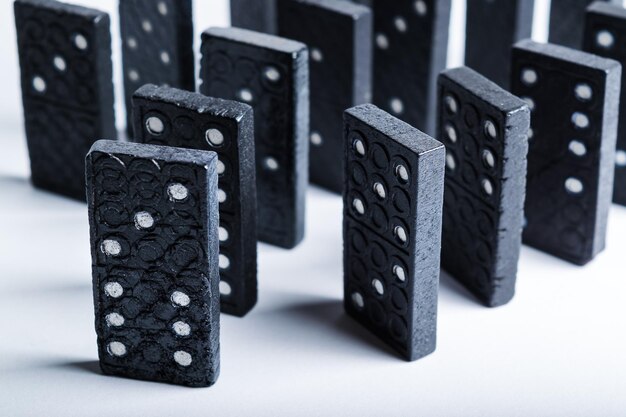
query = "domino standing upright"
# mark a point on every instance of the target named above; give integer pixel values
(339, 36)
(605, 35)
(67, 89)
(484, 128)
(154, 216)
(567, 19)
(157, 46)
(574, 100)
(168, 116)
(492, 27)
(271, 74)
(257, 15)
(410, 50)
(392, 229)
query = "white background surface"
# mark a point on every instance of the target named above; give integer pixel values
(559, 349)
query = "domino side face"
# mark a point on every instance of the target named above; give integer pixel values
(485, 131)
(172, 117)
(270, 74)
(574, 99)
(392, 227)
(153, 214)
(605, 34)
(67, 89)
(157, 46)
(338, 35)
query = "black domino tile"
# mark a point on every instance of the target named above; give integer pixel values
(338, 35)
(491, 28)
(484, 129)
(172, 117)
(410, 50)
(392, 229)
(153, 214)
(605, 35)
(567, 22)
(67, 89)
(270, 74)
(257, 15)
(574, 101)
(157, 46)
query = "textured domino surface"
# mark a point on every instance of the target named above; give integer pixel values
(492, 27)
(574, 101)
(257, 15)
(484, 129)
(392, 228)
(270, 74)
(153, 214)
(67, 89)
(340, 74)
(157, 46)
(172, 117)
(410, 49)
(567, 20)
(605, 35)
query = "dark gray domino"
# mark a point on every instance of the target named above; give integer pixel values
(157, 46)
(153, 214)
(484, 129)
(574, 102)
(405, 84)
(67, 89)
(258, 15)
(392, 229)
(339, 36)
(605, 35)
(567, 21)
(271, 74)
(492, 27)
(168, 116)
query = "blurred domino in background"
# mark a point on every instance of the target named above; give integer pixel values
(484, 129)
(67, 89)
(567, 19)
(574, 101)
(153, 214)
(172, 117)
(257, 15)
(271, 74)
(392, 228)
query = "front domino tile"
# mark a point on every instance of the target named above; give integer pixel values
(67, 89)
(574, 101)
(392, 229)
(338, 34)
(153, 215)
(605, 35)
(410, 50)
(172, 117)
(484, 129)
(157, 46)
(271, 74)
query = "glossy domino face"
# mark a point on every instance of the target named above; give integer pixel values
(153, 216)
(340, 74)
(67, 89)
(172, 117)
(392, 204)
(271, 75)
(571, 146)
(605, 35)
(484, 129)
(157, 45)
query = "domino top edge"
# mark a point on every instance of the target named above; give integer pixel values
(346, 8)
(570, 55)
(608, 9)
(59, 7)
(258, 39)
(163, 153)
(486, 90)
(394, 128)
(195, 101)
